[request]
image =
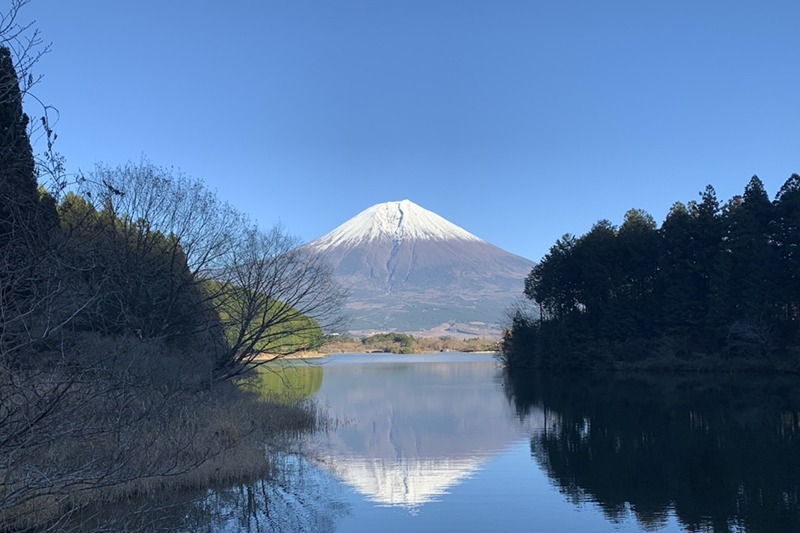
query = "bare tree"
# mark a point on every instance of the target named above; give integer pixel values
(276, 298)
(26, 47)
(25, 43)
(261, 292)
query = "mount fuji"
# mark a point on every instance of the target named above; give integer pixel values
(410, 270)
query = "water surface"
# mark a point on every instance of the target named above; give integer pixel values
(436, 443)
(448, 442)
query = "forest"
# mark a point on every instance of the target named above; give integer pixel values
(715, 287)
(132, 303)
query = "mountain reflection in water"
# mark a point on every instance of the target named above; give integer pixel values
(721, 453)
(412, 431)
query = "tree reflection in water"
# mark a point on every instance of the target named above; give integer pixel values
(721, 452)
(301, 498)
(297, 498)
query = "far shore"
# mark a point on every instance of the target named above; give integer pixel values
(262, 357)
(267, 357)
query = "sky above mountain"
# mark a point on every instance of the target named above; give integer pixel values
(517, 120)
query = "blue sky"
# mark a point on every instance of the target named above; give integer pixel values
(517, 120)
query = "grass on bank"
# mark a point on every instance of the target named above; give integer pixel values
(173, 444)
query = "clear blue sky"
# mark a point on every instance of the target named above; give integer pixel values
(517, 120)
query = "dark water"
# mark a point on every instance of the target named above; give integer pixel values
(716, 453)
(450, 443)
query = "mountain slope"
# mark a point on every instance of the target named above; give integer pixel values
(408, 269)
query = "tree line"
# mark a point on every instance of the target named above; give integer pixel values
(131, 300)
(715, 283)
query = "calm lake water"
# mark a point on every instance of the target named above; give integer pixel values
(448, 443)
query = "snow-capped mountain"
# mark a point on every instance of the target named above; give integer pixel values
(396, 221)
(408, 269)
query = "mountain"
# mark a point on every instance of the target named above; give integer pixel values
(410, 270)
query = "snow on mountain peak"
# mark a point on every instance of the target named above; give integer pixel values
(395, 221)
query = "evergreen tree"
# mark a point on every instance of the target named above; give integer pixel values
(27, 218)
(637, 242)
(675, 295)
(705, 234)
(711, 280)
(786, 238)
(18, 188)
(140, 277)
(553, 283)
(599, 269)
(744, 285)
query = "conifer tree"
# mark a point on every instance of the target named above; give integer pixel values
(18, 187)
(786, 237)
(26, 222)
(675, 295)
(638, 256)
(747, 265)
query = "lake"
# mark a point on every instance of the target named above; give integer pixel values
(447, 442)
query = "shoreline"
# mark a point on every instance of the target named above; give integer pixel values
(269, 357)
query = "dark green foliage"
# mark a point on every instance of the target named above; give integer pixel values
(26, 213)
(141, 277)
(17, 167)
(18, 193)
(27, 217)
(786, 236)
(745, 284)
(553, 283)
(520, 342)
(712, 281)
(637, 244)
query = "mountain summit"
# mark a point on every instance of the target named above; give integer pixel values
(408, 269)
(395, 221)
